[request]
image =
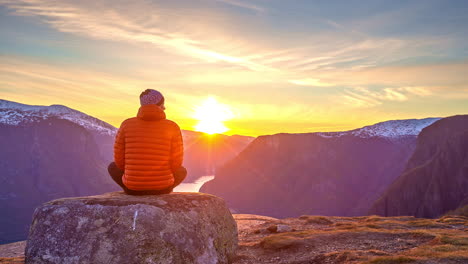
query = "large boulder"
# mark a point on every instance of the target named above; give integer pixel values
(118, 228)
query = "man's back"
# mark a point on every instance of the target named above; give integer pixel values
(148, 148)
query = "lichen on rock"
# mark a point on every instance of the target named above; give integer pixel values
(118, 228)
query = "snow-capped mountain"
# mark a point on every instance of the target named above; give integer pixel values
(389, 129)
(46, 153)
(12, 113)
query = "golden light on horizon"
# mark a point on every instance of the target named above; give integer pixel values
(211, 114)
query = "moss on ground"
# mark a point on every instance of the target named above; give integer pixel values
(319, 220)
(392, 260)
(462, 211)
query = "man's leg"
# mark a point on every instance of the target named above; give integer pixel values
(116, 174)
(179, 176)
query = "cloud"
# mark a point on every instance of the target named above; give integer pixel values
(419, 91)
(392, 94)
(311, 82)
(210, 51)
(141, 22)
(208, 35)
(359, 101)
(243, 5)
(449, 75)
(363, 97)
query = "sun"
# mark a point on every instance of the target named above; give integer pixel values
(211, 114)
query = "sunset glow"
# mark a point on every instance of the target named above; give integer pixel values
(326, 66)
(211, 115)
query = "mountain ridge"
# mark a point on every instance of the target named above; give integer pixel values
(13, 113)
(337, 173)
(390, 128)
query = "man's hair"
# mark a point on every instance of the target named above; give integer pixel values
(147, 91)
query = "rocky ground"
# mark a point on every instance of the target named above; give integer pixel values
(318, 239)
(12, 253)
(368, 239)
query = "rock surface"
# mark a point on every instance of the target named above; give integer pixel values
(118, 228)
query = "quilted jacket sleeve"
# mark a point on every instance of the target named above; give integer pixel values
(119, 148)
(177, 149)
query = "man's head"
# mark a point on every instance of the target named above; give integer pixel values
(150, 96)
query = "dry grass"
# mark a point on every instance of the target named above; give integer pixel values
(276, 242)
(453, 220)
(19, 260)
(374, 218)
(369, 239)
(462, 211)
(425, 223)
(319, 220)
(455, 241)
(346, 226)
(392, 260)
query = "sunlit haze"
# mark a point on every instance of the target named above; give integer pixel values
(237, 66)
(211, 115)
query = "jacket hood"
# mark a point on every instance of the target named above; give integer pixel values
(151, 113)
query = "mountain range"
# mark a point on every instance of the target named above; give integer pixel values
(54, 151)
(334, 174)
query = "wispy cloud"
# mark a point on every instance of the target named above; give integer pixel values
(141, 22)
(183, 32)
(242, 4)
(311, 82)
(365, 97)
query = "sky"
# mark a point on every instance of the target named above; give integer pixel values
(276, 66)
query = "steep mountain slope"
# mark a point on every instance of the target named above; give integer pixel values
(44, 160)
(339, 173)
(436, 177)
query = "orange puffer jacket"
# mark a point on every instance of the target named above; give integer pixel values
(148, 148)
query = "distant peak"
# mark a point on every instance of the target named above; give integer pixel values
(13, 113)
(59, 106)
(389, 129)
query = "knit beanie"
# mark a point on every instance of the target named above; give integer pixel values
(150, 96)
